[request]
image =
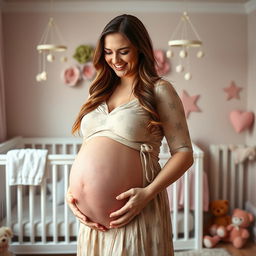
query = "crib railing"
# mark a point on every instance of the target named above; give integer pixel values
(228, 180)
(55, 237)
(54, 161)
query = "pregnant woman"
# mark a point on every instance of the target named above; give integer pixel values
(117, 187)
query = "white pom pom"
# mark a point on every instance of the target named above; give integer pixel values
(183, 54)
(38, 77)
(179, 68)
(169, 54)
(200, 54)
(188, 76)
(50, 57)
(43, 76)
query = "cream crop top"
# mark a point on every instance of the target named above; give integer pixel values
(127, 124)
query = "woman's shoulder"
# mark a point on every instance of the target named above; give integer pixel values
(164, 90)
(164, 85)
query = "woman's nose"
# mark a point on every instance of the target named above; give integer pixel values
(116, 58)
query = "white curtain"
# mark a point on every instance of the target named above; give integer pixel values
(2, 94)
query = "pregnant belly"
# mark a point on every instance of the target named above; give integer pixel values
(102, 170)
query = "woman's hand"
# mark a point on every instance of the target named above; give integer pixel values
(138, 199)
(82, 218)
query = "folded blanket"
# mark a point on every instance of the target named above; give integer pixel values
(26, 166)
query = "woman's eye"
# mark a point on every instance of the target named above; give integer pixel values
(124, 53)
(108, 53)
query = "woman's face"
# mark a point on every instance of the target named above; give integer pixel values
(120, 55)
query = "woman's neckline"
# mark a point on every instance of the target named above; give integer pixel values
(119, 106)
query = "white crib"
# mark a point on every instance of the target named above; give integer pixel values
(41, 220)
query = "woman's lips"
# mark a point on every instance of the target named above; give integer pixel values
(119, 67)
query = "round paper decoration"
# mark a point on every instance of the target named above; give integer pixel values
(241, 120)
(71, 75)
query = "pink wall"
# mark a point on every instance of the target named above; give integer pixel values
(49, 109)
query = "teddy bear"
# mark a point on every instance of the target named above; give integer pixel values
(219, 210)
(236, 233)
(5, 236)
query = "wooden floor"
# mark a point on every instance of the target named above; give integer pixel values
(248, 250)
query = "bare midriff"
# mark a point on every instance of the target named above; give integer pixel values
(103, 169)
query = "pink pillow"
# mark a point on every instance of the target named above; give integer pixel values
(241, 120)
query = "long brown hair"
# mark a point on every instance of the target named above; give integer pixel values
(106, 80)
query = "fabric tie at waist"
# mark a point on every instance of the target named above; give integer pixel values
(146, 161)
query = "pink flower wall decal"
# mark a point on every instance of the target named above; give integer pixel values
(163, 64)
(71, 75)
(88, 71)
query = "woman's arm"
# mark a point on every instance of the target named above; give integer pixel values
(173, 170)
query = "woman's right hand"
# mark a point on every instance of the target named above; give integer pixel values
(82, 218)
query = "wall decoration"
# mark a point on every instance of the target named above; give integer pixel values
(241, 120)
(189, 103)
(162, 63)
(71, 75)
(184, 37)
(88, 71)
(50, 44)
(83, 70)
(83, 53)
(232, 91)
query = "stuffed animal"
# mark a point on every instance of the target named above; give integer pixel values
(5, 236)
(219, 210)
(236, 233)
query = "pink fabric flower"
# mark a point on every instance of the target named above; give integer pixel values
(71, 75)
(88, 71)
(163, 64)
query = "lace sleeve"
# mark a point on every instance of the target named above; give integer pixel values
(172, 116)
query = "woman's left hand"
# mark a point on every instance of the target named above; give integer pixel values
(137, 200)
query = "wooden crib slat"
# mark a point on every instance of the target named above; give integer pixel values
(8, 201)
(225, 168)
(31, 213)
(54, 149)
(240, 191)
(232, 183)
(74, 148)
(54, 203)
(43, 210)
(186, 205)
(198, 200)
(66, 176)
(215, 173)
(20, 211)
(64, 146)
(175, 211)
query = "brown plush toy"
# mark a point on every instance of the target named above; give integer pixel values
(5, 236)
(237, 233)
(219, 210)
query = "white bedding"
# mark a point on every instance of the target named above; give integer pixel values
(73, 223)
